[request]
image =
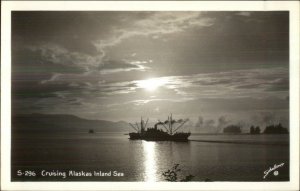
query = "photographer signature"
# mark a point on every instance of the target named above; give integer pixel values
(272, 169)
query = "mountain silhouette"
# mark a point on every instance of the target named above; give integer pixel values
(63, 123)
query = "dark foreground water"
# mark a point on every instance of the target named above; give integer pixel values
(113, 157)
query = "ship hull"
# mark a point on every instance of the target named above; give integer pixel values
(134, 136)
(159, 137)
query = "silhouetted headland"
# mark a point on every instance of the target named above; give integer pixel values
(62, 123)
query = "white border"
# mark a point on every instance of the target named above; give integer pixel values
(8, 6)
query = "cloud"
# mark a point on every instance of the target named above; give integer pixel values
(205, 126)
(155, 24)
(54, 77)
(279, 84)
(210, 125)
(36, 90)
(113, 66)
(117, 90)
(236, 104)
(266, 118)
(56, 54)
(233, 84)
(234, 90)
(222, 123)
(199, 122)
(240, 82)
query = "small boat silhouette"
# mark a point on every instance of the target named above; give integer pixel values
(91, 131)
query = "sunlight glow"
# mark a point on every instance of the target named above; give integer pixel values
(150, 162)
(152, 83)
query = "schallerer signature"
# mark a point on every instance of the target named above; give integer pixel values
(272, 169)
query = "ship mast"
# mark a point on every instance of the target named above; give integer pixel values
(171, 122)
(140, 128)
(142, 125)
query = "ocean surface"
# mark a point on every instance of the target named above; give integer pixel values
(113, 157)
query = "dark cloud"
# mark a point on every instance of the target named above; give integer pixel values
(33, 62)
(70, 29)
(250, 86)
(37, 90)
(216, 81)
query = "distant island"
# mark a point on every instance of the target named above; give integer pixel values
(271, 129)
(232, 129)
(275, 129)
(254, 130)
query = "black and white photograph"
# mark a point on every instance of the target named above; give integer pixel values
(151, 96)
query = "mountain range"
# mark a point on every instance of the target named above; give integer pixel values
(37, 122)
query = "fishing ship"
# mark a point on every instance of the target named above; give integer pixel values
(169, 132)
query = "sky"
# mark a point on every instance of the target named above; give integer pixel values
(211, 67)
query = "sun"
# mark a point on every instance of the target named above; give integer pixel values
(152, 83)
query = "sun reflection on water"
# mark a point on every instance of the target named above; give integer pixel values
(150, 162)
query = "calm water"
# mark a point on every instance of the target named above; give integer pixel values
(145, 161)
